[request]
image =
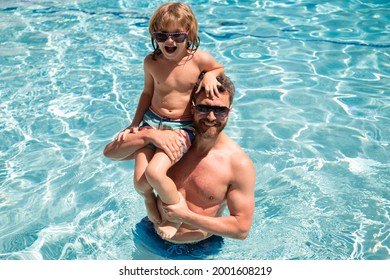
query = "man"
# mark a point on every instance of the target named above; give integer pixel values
(213, 174)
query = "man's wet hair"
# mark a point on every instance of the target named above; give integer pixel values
(226, 86)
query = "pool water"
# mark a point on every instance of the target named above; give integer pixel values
(312, 111)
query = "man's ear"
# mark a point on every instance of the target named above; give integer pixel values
(192, 107)
(231, 108)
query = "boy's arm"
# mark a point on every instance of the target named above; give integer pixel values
(143, 104)
(146, 96)
(213, 69)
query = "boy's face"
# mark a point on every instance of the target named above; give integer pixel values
(172, 41)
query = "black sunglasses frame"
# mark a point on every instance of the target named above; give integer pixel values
(220, 112)
(165, 36)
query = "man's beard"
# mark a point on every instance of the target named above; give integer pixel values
(206, 131)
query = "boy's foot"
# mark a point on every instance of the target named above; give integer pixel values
(167, 229)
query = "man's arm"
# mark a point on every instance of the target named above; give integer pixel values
(166, 140)
(240, 201)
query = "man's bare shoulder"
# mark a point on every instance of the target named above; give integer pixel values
(238, 158)
(229, 144)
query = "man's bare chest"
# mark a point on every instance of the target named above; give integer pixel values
(203, 182)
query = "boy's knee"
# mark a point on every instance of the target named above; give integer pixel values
(152, 174)
(141, 184)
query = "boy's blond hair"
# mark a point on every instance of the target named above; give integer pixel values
(171, 12)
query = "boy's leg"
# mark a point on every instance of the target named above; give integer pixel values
(142, 186)
(156, 174)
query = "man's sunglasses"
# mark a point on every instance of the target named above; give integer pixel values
(178, 37)
(220, 112)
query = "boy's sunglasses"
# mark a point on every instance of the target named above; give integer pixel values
(178, 37)
(220, 112)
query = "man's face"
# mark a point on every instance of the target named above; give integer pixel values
(211, 115)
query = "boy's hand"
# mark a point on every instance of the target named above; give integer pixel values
(210, 84)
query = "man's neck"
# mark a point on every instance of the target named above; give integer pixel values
(203, 145)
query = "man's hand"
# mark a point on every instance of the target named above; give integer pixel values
(176, 212)
(121, 136)
(168, 141)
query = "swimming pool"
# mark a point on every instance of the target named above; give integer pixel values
(312, 110)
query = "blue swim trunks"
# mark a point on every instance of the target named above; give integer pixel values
(148, 245)
(184, 126)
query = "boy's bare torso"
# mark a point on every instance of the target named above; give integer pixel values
(173, 83)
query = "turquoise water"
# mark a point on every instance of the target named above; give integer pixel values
(312, 111)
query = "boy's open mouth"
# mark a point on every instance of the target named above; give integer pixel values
(170, 49)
